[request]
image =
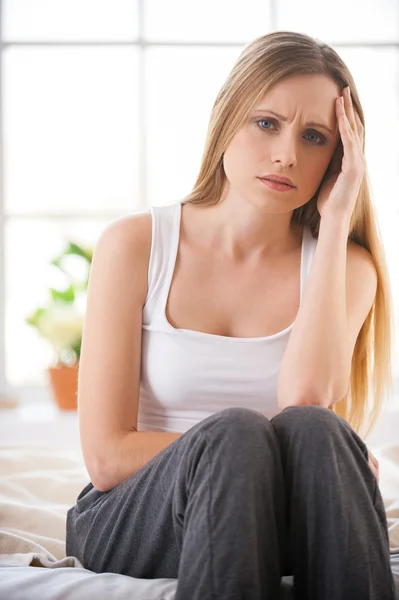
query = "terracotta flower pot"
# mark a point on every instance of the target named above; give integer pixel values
(64, 385)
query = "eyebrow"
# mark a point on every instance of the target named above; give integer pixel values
(312, 124)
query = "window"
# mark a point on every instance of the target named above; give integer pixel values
(104, 111)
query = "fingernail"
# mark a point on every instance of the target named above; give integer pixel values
(349, 91)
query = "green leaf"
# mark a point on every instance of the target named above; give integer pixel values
(67, 295)
(77, 348)
(76, 250)
(34, 318)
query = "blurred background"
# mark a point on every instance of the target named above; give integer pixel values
(104, 106)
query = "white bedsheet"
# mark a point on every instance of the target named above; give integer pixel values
(37, 487)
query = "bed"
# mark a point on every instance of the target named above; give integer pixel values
(37, 486)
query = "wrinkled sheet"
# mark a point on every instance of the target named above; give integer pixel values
(37, 487)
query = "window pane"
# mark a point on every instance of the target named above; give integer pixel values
(181, 88)
(70, 129)
(208, 20)
(341, 21)
(72, 20)
(30, 245)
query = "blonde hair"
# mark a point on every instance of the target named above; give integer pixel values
(264, 62)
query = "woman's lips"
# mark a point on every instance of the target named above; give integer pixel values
(278, 178)
(280, 187)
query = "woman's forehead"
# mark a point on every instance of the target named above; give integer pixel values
(306, 97)
(303, 88)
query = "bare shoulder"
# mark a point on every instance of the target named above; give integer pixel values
(128, 237)
(124, 246)
(361, 272)
(131, 231)
(359, 257)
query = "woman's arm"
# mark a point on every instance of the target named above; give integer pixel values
(339, 293)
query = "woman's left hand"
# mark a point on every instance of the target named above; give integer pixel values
(374, 466)
(339, 191)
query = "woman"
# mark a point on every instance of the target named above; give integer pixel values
(236, 328)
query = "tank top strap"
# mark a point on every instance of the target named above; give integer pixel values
(164, 246)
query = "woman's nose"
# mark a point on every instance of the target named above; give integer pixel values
(284, 151)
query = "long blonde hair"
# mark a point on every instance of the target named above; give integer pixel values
(264, 62)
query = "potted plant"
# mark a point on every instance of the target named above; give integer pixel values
(60, 322)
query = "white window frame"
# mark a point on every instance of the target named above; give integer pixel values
(40, 393)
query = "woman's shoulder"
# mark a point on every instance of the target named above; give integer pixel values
(132, 231)
(358, 256)
(361, 276)
(127, 241)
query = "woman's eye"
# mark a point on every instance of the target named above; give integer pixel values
(265, 121)
(317, 138)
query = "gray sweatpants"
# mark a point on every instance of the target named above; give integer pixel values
(237, 502)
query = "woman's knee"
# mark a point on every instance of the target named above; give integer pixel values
(308, 420)
(238, 423)
(243, 440)
(242, 417)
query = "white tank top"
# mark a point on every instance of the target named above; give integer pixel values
(188, 375)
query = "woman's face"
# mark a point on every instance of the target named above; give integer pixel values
(290, 145)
